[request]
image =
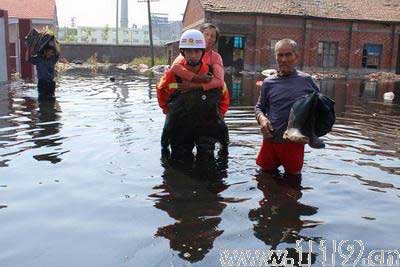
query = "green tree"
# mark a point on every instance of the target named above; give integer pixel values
(105, 33)
(87, 34)
(71, 35)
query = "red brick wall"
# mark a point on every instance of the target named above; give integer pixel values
(194, 12)
(323, 31)
(274, 31)
(259, 30)
(361, 37)
(25, 25)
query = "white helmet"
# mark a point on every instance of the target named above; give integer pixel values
(192, 39)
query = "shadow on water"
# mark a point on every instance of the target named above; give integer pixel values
(280, 217)
(48, 119)
(190, 194)
(32, 124)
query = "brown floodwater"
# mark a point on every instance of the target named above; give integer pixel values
(82, 182)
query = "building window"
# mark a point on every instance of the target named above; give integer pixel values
(327, 87)
(94, 40)
(272, 59)
(371, 56)
(238, 42)
(327, 54)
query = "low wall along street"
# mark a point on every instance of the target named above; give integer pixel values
(107, 52)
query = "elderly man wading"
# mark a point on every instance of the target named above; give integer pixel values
(277, 95)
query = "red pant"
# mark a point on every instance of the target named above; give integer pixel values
(272, 155)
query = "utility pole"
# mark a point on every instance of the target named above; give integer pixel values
(116, 25)
(150, 28)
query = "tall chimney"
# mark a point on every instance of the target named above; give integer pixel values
(124, 13)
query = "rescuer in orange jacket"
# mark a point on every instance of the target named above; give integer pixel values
(194, 117)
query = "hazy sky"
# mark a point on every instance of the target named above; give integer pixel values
(102, 12)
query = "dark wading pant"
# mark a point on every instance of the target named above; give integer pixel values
(46, 89)
(194, 120)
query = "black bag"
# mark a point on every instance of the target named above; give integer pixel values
(325, 115)
(312, 116)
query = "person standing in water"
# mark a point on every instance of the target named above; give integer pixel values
(193, 116)
(277, 95)
(45, 62)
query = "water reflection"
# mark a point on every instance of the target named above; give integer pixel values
(192, 198)
(278, 219)
(356, 92)
(48, 120)
(396, 92)
(235, 84)
(361, 114)
(34, 122)
(243, 89)
(192, 219)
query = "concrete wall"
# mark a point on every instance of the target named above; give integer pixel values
(172, 51)
(4, 66)
(14, 47)
(108, 53)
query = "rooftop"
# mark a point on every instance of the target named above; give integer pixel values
(373, 10)
(30, 9)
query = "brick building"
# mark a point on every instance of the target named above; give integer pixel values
(23, 15)
(354, 36)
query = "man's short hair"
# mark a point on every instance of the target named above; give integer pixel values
(206, 26)
(292, 43)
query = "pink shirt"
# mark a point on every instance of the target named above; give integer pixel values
(211, 58)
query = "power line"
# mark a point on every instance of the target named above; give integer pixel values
(150, 28)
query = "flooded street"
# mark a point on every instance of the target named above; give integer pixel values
(82, 182)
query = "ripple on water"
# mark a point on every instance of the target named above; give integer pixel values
(85, 170)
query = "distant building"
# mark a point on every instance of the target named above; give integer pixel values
(124, 14)
(159, 19)
(162, 33)
(164, 30)
(22, 17)
(105, 35)
(141, 35)
(356, 36)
